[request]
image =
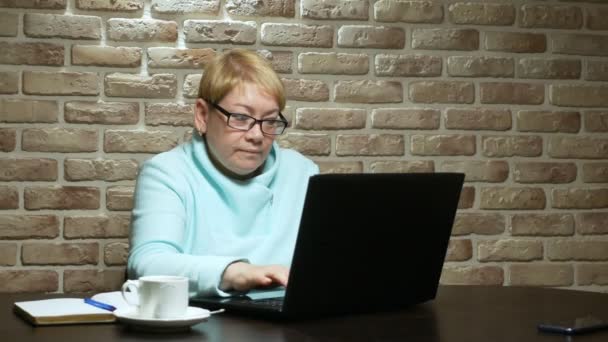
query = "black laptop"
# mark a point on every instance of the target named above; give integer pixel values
(366, 243)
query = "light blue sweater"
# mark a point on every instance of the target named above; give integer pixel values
(191, 220)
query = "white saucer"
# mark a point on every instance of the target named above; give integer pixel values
(193, 316)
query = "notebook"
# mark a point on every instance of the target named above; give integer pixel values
(366, 243)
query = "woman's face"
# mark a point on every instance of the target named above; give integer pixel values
(239, 152)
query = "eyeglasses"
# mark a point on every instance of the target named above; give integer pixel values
(244, 122)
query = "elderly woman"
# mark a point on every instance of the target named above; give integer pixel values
(224, 208)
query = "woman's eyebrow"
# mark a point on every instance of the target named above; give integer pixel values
(251, 109)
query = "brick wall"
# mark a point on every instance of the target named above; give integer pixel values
(513, 93)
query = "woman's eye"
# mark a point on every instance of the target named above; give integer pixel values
(240, 117)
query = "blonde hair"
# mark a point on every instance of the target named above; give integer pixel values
(232, 68)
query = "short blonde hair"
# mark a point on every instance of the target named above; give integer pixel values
(232, 68)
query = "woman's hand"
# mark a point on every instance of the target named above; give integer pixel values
(242, 276)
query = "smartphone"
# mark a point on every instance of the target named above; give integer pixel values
(580, 325)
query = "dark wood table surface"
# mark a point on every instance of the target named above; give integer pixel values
(459, 313)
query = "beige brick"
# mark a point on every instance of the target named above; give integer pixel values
(8, 254)
(106, 56)
(185, 7)
(330, 118)
(116, 253)
(459, 250)
(592, 274)
(549, 68)
(580, 198)
(279, 60)
(578, 147)
(301, 35)
(408, 65)
(548, 121)
(119, 197)
(580, 44)
(221, 32)
(9, 197)
(138, 86)
(541, 274)
(512, 93)
(28, 169)
(515, 42)
(333, 9)
(9, 23)
(165, 57)
(467, 198)
(481, 14)
(476, 66)
(340, 167)
(8, 139)
(308, 144)
(141, 30)
(596, 18)
(509, 250)
(60, 83)
(367, 91)
(595, 172)
(472, 275)
(31, 53)
(522, 198)
(305, 90)
(442, 145)
(39, 4)
(596, 121)
(445, 39)
(398, 166)
(370, 145)
(270, 8)
(96, 227)
(333, 63)
(92, 281)
(552, 17)
(544, 172)
(9, 84)
(478, 171)
(442, 92)
(19, 111)
(119, 141)
(542, 224)
(29, 281)
(61, 197)
(172, 114)
(478, 119)
(477, 223)
(110, 5)
(28, 226)
(109, 113)
(579, 95)
(596, 70)
(364, 36)
(405, 118)
(109, 170)
(36, 253)
(579, 250)
(62, 26)
(191, 85)
(408, 11)
(59, 140)
(591, 223)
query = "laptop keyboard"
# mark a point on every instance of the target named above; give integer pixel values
(271, 303)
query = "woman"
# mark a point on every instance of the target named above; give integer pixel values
(224, 209)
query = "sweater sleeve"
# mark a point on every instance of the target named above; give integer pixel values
(158, 234)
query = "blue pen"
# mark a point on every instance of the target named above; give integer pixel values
(99, 304)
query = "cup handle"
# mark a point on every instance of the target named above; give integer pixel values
(128, 285)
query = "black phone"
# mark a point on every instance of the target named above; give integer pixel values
(580, 325)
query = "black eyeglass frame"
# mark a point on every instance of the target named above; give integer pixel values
(254, 122)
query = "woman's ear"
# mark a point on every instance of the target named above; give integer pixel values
(201, 115)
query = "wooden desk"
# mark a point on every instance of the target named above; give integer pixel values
(460, 313)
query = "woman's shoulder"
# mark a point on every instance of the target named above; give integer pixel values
(174, 159)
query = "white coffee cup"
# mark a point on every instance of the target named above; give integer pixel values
(162, 297)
